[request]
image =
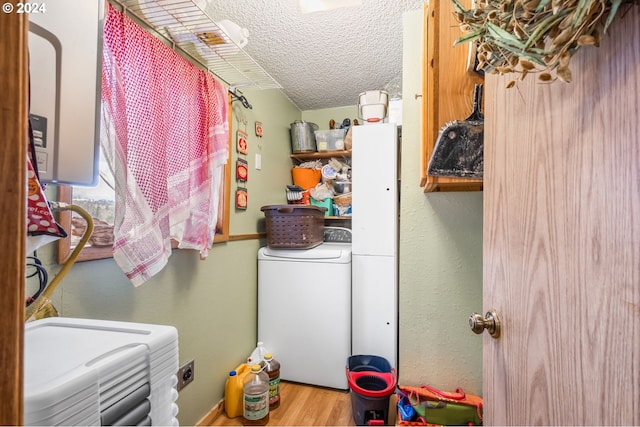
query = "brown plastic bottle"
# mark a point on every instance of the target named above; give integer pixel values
(272, 367)
(256, 397)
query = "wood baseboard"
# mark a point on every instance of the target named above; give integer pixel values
(212, 415)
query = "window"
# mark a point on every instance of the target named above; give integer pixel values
(99, 203)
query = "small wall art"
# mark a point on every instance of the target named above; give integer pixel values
(242, 170)
(259, 129)
(242, 198)
(242, 146)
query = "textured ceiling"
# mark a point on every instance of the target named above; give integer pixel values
(322, 59)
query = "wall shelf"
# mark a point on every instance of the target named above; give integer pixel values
(186, 24)
(321, 155)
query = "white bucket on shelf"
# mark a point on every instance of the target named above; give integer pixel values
(373, 105)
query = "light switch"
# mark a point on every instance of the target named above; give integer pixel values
(258, 161)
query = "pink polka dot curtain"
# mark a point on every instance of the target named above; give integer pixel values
(165, 132)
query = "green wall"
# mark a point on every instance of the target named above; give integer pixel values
(440, 258)
(266, 186)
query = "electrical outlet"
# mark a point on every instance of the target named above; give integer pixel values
(186, 374)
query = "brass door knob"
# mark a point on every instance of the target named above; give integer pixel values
(490, 322)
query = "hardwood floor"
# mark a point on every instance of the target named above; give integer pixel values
(305, 405)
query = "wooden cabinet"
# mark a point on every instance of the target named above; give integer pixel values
(447, 88)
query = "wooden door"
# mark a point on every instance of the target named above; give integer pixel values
(562, 241)
(13, 196)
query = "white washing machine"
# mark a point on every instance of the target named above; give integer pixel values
(304, 309)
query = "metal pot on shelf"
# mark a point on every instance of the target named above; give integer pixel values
(342, 187)
(303, 139)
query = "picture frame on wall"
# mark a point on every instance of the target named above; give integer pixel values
(242, 145)
(242, 170)
(242, 198)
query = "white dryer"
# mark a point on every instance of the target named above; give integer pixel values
(304, 309)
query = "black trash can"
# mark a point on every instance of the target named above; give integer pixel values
(372, 381)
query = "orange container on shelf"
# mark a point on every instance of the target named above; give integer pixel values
(305, 177)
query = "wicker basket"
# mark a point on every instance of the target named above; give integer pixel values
(342, 199)
(293, 226)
